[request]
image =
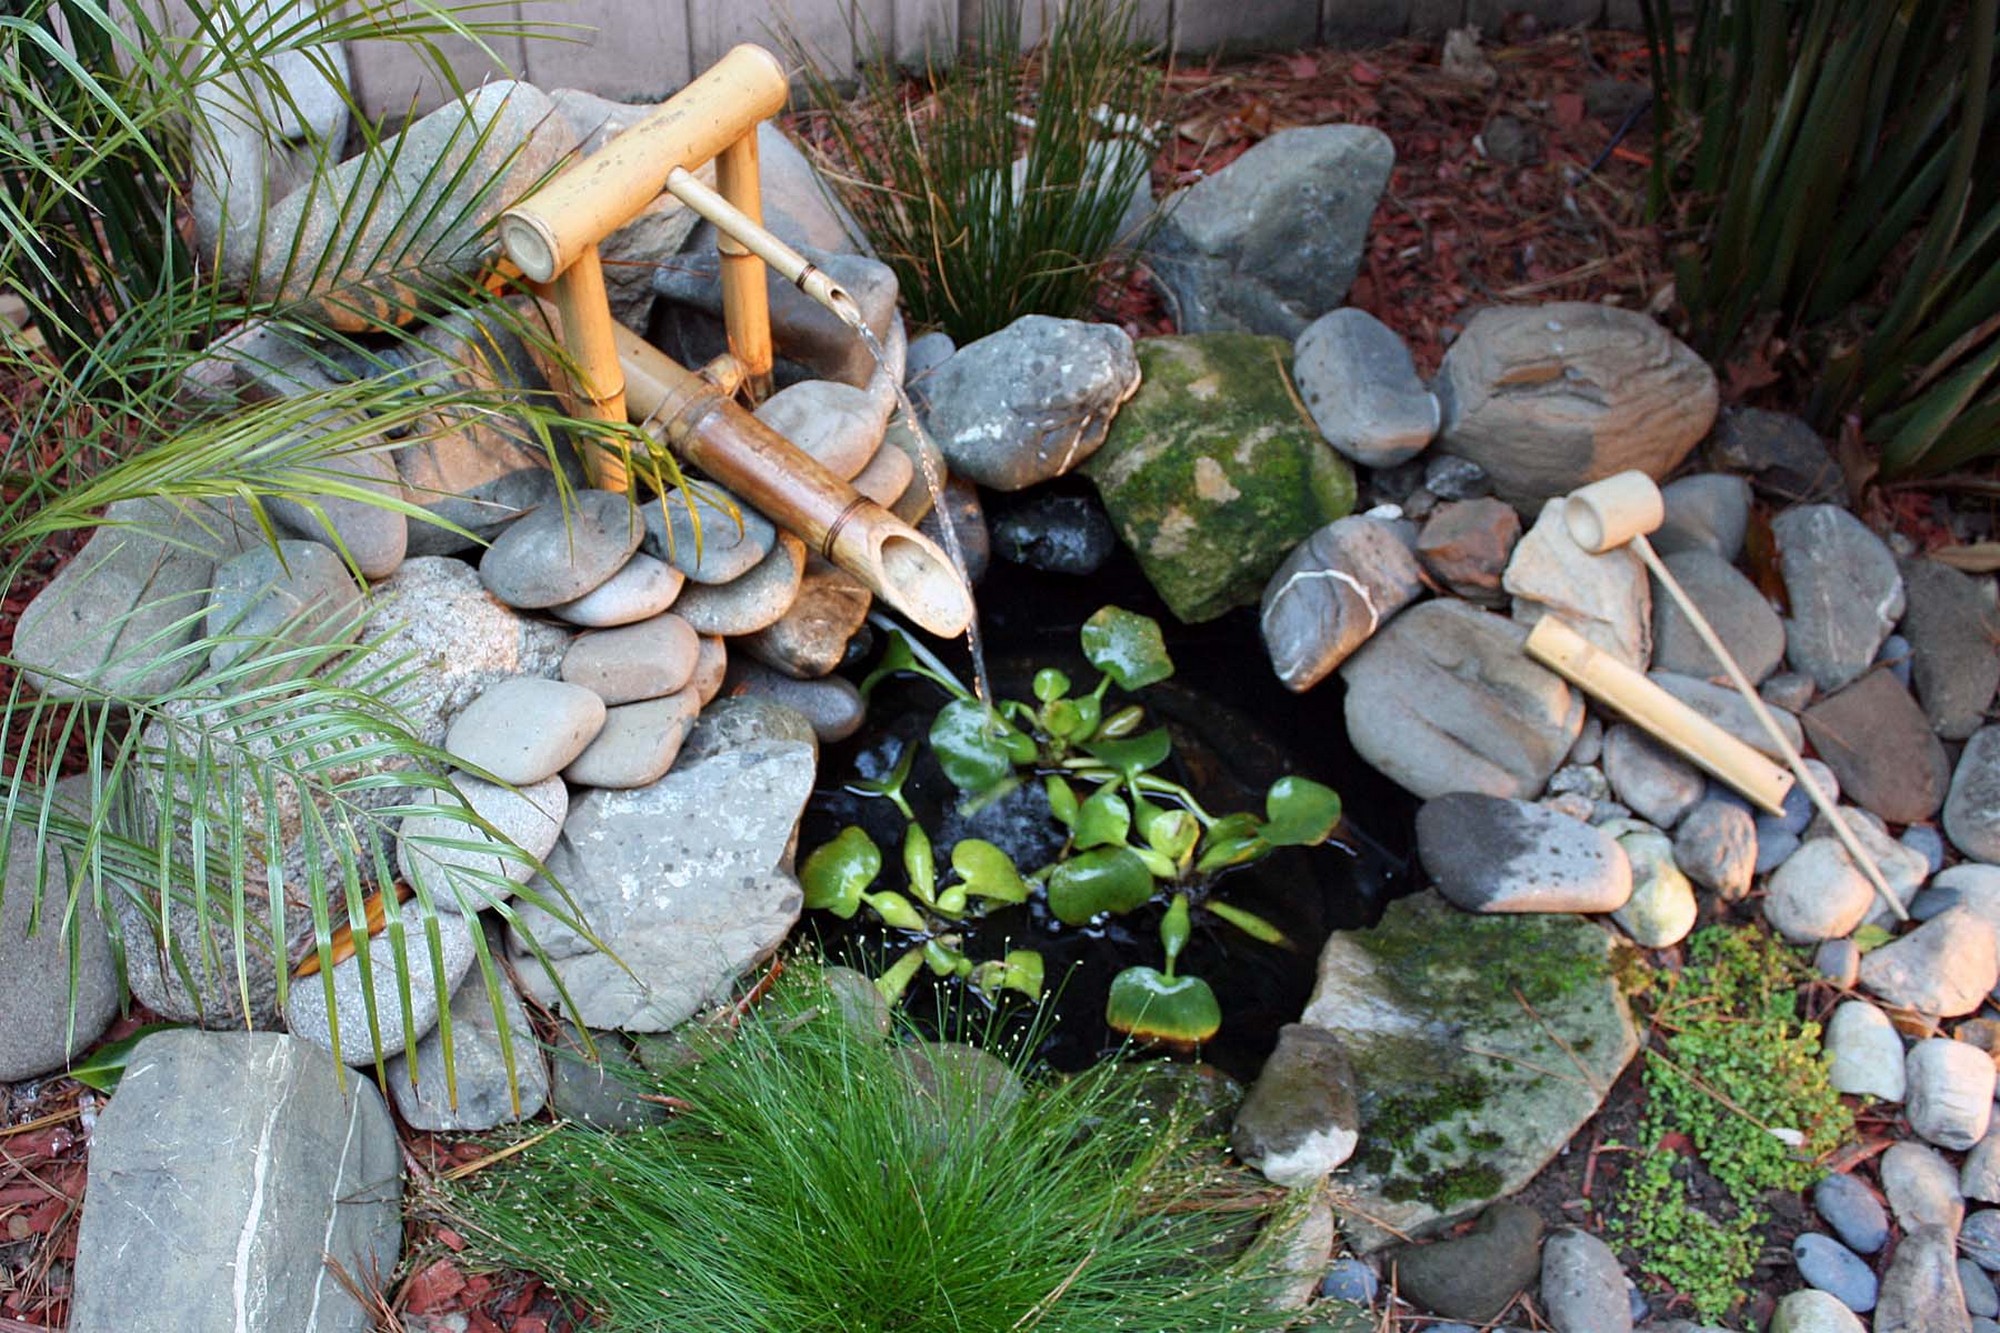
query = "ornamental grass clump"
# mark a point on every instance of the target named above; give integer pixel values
(806, 1181)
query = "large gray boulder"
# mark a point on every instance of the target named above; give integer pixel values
(228, 1177)
(41, 943)
(1845, 591)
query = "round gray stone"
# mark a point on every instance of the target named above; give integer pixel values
(525, 729)
(633, 662)
(1733, 607)
(835, 424)
(706, 533)
(752, 602)
(1922, 1187)
(1979, 1238)
(1845, 592)
(1950, 1092)
(637, 745)
(1357, 379)
(529, 817)
(1853, 1211)
(640, 591)
(1864, 1054)
(1583, 1288)
(303, 588)
(1817, 894)
(1945, 967)
(306, 1014)
(1831, 1267)
(1490, 854)
(1716, 844)
(1972, 810)
(557, 553)
(1658, 785)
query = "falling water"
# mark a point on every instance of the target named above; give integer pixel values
(926, 461)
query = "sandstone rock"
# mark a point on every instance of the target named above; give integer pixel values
(1299, 1121)
(1605, 598)
(1466, 547)
(1333, 591)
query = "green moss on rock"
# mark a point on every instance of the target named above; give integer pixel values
(1211, 472)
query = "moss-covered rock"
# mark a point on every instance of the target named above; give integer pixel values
(1480, 1044)
(1212, 472)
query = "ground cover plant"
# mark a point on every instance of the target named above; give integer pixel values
(815, 1176)
(1736, 1088)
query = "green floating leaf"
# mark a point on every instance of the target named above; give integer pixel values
(1232, 840)
(901, 973)
(951, 902)
(1103, 820)
(1868, 938)
(942, 959)
(1071, 719)
(1299, 812)
(987, 872)
(1173, 833)
(1108, 879)
(896, 911)
(103, 1067)
(1136, 755)
(1127, 647)
(896, 659)
(970, 746)
(1022, 971)
(1154, 1007)
(1122, 723)
(1062, 800)
(1256, 927)
(836, 875)
(1175, 929)
(1050, 685)
(920, 862)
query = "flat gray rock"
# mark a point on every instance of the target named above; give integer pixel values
(1786, 458)
(831, 705)
(306, 1013)
(1359, 383)
(1477, 1275)
(1734, 609)
(752, 601)
(1817, 894)
(647, 660)
(529, 817)
(637, 744)
(1921, 1187)
(1949, 1100)
(301, 587)
(644, 588)
(706, 533)
(732, 723)
(1490, 854)
(291, 1170)
(372, 535)
(1299, 1120)
(1443, 699)
(1846, 594)
(1709, 511)
(1879, 744)
(836, 424)
(559, 552)
(1921, 1291)
(1606, 598)
(1656, 783)
(1945, 967)
(681, 881)
(483, 1091)
(526, 729)
(1953, 629)
(1333, 591)
(1583, 1288)
(1724, 707)
(1972, 808)
(811, 638)
(1853, 1211)
(1864, 1053)
(44, 1027)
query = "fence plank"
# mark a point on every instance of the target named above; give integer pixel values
(625, 51)
(820, 26)
(392, 79)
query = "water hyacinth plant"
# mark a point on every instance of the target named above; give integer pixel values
(1132, 836)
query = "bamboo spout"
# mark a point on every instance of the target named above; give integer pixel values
(791, 488)
(753, 238)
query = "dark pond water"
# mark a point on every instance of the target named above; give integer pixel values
(1236, 729)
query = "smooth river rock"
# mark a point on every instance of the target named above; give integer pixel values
(1332, 592)
(1491, 854)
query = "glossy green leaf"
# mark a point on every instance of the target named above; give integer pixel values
(969, 745)
(1299, 812)
(1218, 854)
(1062, 800)
(1108, 879)
(1256, 927)
(920, 862)
(1175, 929)
(838, 872)
(1021, 971)
(891, 783)
(1122, 723)
(901, 973)
(1158, 865)
(987, 871)
(1173, 833)
(1103, 819)
(896, 910)
(1127, 647)
(1050, 685)
(941, 958)
(1153, 1007)
(103, 1067)
(1136, 755)
(952, 902)
(896, 659)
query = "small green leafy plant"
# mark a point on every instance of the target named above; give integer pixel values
(1735, 1076)
(1132, 836)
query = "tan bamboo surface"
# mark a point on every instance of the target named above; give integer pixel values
(595, 387)
(746, 311)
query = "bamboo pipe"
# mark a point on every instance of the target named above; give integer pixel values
(791, 488)
(750, 233)
(746, 313)
(1621, 510)
(596, 387)
(545, 233)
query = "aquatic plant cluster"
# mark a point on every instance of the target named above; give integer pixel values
(1132, 836)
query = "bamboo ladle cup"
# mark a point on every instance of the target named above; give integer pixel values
(1619, 511)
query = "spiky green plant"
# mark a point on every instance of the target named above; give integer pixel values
(999, 187)
(98, 164)
(1835, 169)
(811, 1179)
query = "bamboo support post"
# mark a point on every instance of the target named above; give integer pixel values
(764, 470)
(596, 386)
(746, 313)
(792, 266)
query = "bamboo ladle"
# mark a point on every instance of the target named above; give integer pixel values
(1619, 511)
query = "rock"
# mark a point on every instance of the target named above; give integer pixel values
(1658, 785)
(957, 523)
(1853, 1211)
(244, 1252)
(1784, 457)
(1864, 1054)
(811, 638)
(1443, 699)
(804, 330)
(1300, 1245)
(1708, 511)
(1350, 1280)
(858, 1002)
(1444, 1130)
(1950, 1097)
(1952, 628)
(559, 552)
(648, 660)
(1210, 474)
(1922, 1188)
(1583, 1288)
(1549, 397)
(1734, 609)
(1845, 593)
(1491, 854)
(526, 729)
(1272, 241)
(706, 533)
(1450, 478)
(1662, 908)
(1788, 690)
(349, 1026)
(927, 352)
(680, 881)
(1972, 807)
(1357, 379)
(752, 602)
(836, 424)
(1944, 967)
(1920, 1292)
(1466, 547)
(114, 614)
(1979, 1238)
(1724, 707)
(528, 817)
(40, 948)
(421, 201)
(731, 724)
(832, 705)
(1057, 534)
(1811, 1311)
(1981, 1298)
(1979, 1178)
(1927, 842)
(482, 1091)
(1604, 597)
(301, 588)
(1331, 593)
(1716, 845)
(1030, 402)
(1477, 1275)
(638, 743)
(644, 588)
(1299, 1121)
(1878, 743)
(711, 666)
(889, 474)
(372, 535)
(926, 465)
(599, 1089)
(1839, 962)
